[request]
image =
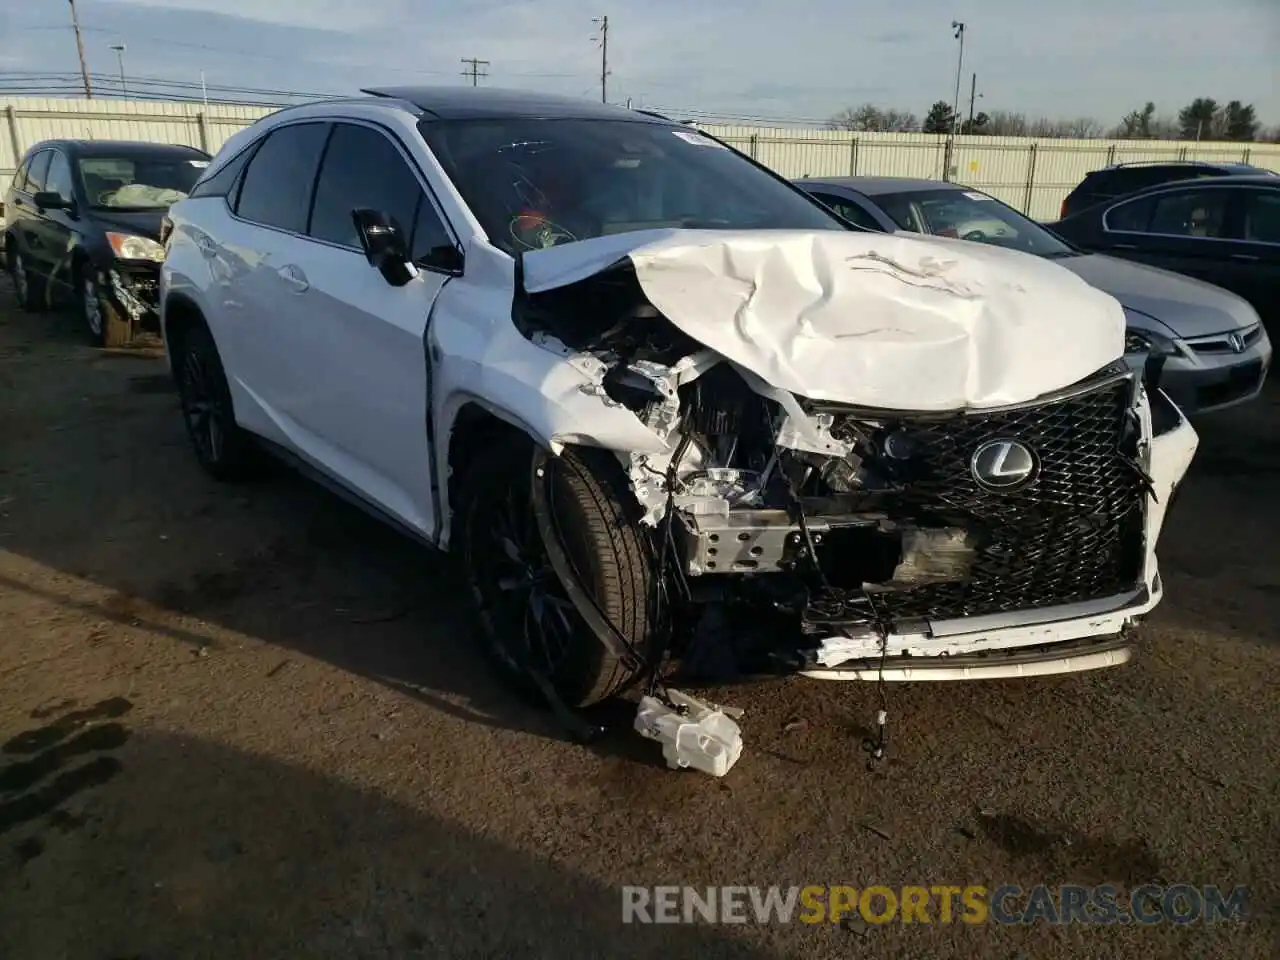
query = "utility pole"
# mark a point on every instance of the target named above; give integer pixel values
(958, 27)
(84, 70)
(119, 48)
(973, 95)
(475, 73)
(604, 57)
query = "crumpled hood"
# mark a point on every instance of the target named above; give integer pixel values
(890, 321)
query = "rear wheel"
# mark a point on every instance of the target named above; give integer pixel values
(224, 450)
(525, 614)
(25, 284)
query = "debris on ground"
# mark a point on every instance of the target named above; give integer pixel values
(693, 733)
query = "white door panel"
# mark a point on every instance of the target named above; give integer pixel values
(349, 373)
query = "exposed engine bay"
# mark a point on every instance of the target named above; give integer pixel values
(773, 510)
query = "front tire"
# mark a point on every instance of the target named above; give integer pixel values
(225, 451)
(106, 326)
(524, 613)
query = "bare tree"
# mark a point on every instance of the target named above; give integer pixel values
(1082, 128)
(901, 121)
(869, 118)
(865, 117)
(1002, 123)
(1136, 125)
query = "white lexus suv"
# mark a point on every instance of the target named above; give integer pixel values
(668, 412)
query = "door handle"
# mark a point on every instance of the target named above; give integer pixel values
(1246, 257)
(294, 277)
(1124, 246)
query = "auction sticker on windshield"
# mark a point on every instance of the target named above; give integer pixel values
(698, 140)
(976, 196)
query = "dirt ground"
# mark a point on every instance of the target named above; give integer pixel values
(250, 722)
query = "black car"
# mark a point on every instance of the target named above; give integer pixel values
(1121, 179)
(1225, 231)
(83, 225)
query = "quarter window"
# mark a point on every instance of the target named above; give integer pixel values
(429, 234)
(1131, 217)
(848, 210)
(222, 182)
(1262, 216)
(277, 186)
(20, 178)
(362, 168)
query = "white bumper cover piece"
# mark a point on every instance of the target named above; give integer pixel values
(890, 321)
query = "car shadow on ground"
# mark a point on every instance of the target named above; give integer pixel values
(103, 833)
(103, 487)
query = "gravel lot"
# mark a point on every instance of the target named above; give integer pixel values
(249, 722)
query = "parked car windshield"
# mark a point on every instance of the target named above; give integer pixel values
(137, 183)
(539, 183)
(971, 215)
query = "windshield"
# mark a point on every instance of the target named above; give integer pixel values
(138, 183)
(539, 183)
(971, 215)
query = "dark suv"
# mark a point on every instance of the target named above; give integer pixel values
(82, 225)
(1124, 178)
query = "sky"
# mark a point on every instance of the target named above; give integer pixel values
(801, 59)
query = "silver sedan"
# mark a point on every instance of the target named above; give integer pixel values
(1215, 350)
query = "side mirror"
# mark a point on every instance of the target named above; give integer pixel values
(384, 245)
(49, 200)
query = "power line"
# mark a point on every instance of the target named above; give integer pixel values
(474, 73)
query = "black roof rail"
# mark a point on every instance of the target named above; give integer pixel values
(1167, 163)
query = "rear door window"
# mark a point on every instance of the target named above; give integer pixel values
(362, 168)
(277, 186)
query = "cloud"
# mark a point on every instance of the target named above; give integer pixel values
(331, 15)
(808, 58)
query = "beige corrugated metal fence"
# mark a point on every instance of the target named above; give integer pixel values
(1032, 175)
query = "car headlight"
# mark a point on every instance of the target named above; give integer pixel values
(130, 246)
(1148, 341)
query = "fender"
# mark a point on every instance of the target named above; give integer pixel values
(475, 355)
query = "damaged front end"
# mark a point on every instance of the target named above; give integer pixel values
(844, 540)
(134, 289)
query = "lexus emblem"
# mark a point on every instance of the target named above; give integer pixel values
(1236, 341)
(1003, 465)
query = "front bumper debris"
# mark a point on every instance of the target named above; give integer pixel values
(135, 291)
